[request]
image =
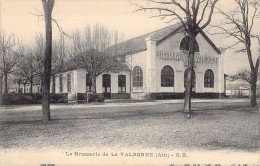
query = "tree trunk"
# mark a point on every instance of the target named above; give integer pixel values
(5, 80)
(94, 89)
(1, 83)
(253, 102)
(24, 88)
(47, 7)
(31, 85)
(19, 85)
(188, 87)
(53, 84)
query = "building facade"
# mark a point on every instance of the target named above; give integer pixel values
(154, 64)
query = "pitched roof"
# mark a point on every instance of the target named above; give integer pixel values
(138, 44)
(72, 64)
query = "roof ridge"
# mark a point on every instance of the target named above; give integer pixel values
(149, 33)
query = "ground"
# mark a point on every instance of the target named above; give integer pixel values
(215, 125)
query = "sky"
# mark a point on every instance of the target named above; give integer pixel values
(17, 18)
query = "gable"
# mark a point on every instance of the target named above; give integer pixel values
(173, 41)
(138, 44)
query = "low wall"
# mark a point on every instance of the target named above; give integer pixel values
(98, 97)
(161, 96)
(120, 95)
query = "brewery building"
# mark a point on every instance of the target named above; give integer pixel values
(155, 65)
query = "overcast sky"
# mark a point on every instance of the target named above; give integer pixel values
(16, 18)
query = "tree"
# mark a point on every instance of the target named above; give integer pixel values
(9, 57)
(47, 8)
(19, 78)
(195, 15)
(28, 69)
(95, 63)
(91, 47)
(39, 51)
(243, 74)
(239, 25)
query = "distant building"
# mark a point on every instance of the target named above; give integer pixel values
(155, 64)
(239, 88)
(15, 88)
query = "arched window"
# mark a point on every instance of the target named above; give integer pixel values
(185, 44)
(209, 79)
(193, 78)
(167, 77)
(137, 77)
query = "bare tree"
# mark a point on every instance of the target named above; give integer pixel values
(95, 63)
(239, 25)
(11, 53)
(47, 8)
(243, 74)
(91, 48)
(59, 51)
(195, 15)
(28, 68)
(60, 54)
(19, 79)
(38, 54)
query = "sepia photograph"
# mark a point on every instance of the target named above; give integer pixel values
(129, 82)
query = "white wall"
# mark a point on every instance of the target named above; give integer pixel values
(205, 49)
(114, 81)
(172, 44)
(72, 93)
(138, 59)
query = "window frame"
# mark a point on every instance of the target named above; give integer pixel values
(167, 76)
(209, 79)
(121, 83)
(137, 77)
(88, 83)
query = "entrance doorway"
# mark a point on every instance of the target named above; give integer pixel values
(106, 86)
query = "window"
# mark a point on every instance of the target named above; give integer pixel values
(88, 83)
(68, 83)
(193, 78)
(106, 84)
(137, 77)
(121, 83)
(61, 83)
(185, 44)
(167, 77)
(209, 79)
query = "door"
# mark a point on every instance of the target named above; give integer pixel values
(107, 86)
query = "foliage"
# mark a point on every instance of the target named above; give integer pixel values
(243, 74)
(92, 97)
(30, 98)
(11, 52)
(95, 97)
(89, 48)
